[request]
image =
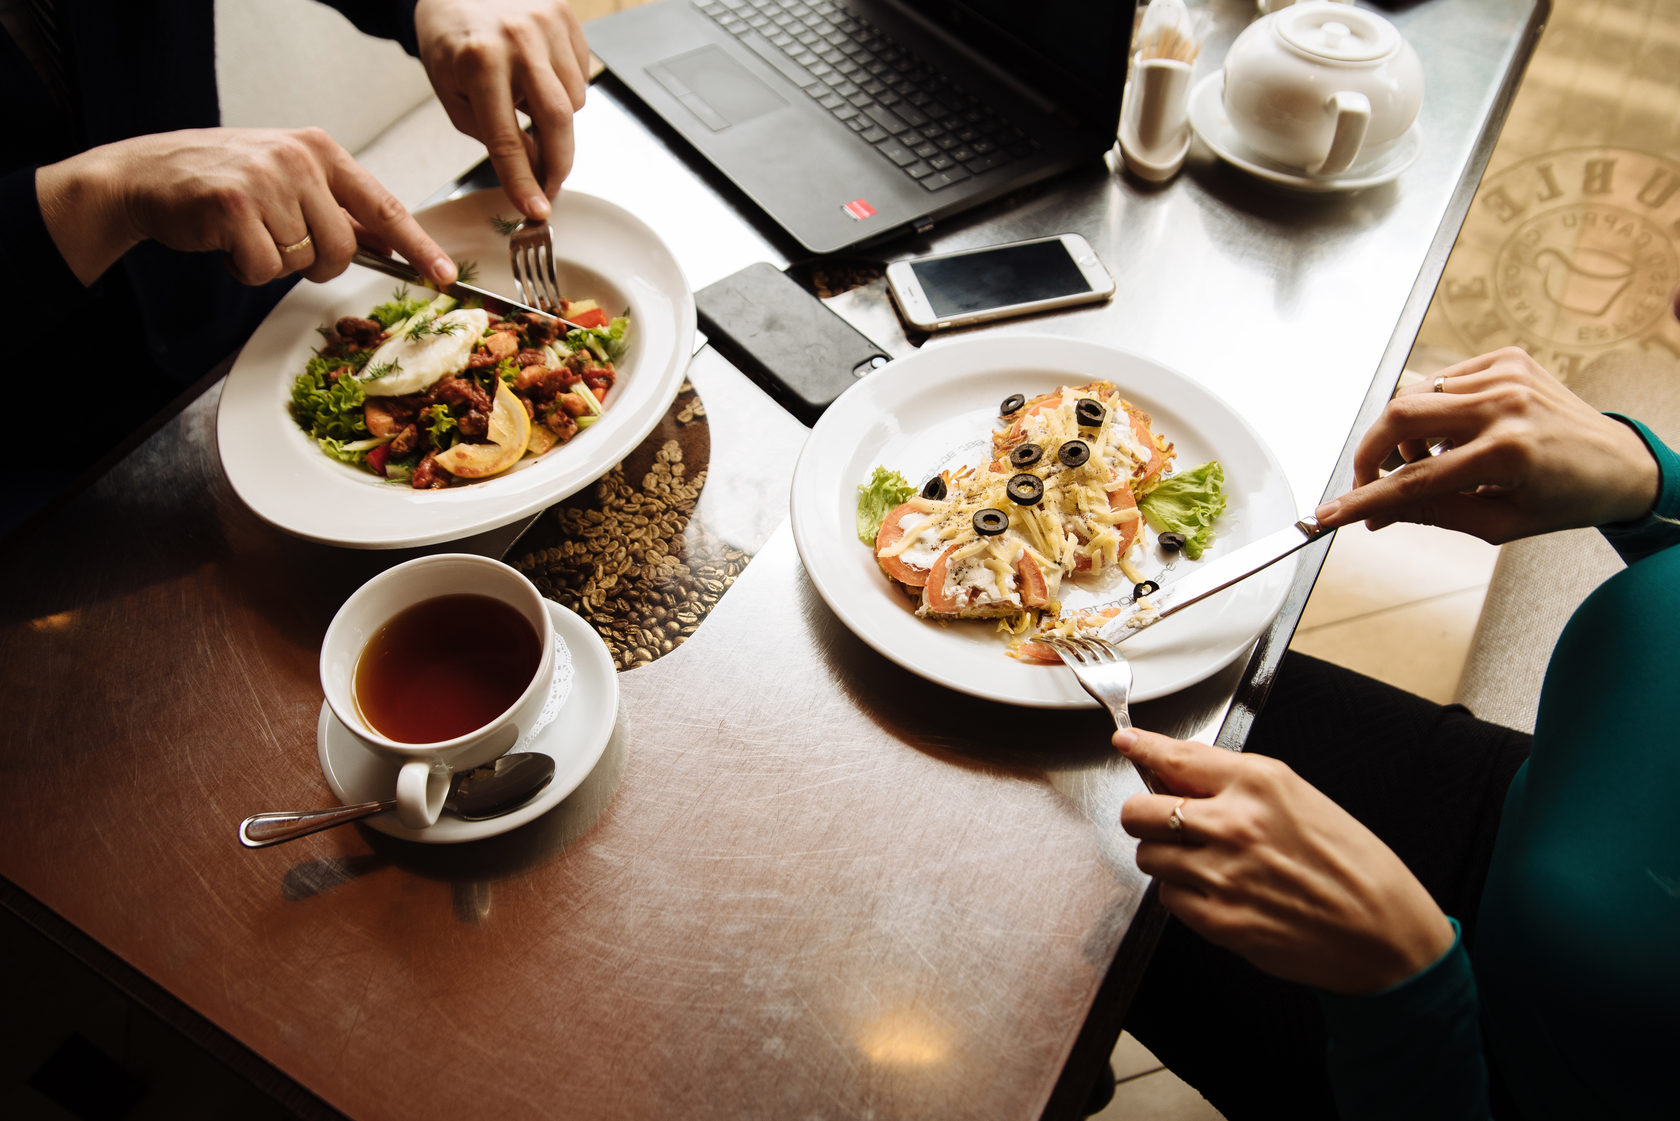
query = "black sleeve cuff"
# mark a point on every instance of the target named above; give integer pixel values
(30, 262)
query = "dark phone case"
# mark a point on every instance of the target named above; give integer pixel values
(784, 338)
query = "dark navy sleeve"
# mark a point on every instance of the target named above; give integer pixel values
(1411, 1051)
(32, 270)
(1660, 528)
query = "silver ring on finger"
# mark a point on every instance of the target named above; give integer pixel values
(1175, 821)
(297, 246)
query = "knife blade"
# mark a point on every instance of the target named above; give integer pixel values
(402, 270)
(1217, 575)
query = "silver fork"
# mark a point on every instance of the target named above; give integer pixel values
(1102, 671)
(531, 252)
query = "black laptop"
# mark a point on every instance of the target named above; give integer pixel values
(850, 120)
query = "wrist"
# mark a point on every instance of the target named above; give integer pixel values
(1639, 482)
(1403, 951)
(83, 210)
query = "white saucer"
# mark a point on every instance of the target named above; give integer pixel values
(574, 728)
(1207, 117)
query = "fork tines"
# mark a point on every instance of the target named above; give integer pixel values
(531, 252)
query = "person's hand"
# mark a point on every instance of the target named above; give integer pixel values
(1268, 867)
(488, 57)
(1526, 456)
(275, 201)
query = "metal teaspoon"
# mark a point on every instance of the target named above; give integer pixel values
(498, 787)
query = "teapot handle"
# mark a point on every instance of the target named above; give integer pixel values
(1353, 117)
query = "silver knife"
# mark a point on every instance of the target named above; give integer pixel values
(1217, 575)
(402, 270)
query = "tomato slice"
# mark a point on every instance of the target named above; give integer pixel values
(1029, 577)
(933, 587)
(1140, 428)
(1035, 590)
(891, 531)
(1038, 652)
(1123, 499)
(594, 317)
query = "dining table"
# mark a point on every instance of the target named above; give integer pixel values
(802, 881)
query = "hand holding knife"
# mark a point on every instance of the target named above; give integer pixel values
(1217, 575)
(402, 270)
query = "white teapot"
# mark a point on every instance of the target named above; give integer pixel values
(1313, 85)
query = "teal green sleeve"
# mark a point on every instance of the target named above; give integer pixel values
(1411, 1051)
(1661, 527)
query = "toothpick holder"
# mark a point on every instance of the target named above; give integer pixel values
(1154, 118)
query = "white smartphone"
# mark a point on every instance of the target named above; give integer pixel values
(996, 281)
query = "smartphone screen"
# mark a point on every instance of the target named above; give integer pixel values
(997, 277)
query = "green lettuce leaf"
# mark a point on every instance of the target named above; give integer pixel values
(1188, 503)
(607, 343)
(398, 308)
(325, 408)
(877, 498)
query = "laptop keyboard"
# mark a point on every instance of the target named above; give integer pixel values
(914, 116)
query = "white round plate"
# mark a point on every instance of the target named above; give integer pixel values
(580, 713)
(1208, 118)
(602, 251)
(936, 409)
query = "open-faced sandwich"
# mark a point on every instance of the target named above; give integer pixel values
(1057, 500)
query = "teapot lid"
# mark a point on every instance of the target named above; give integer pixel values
(1337, 32)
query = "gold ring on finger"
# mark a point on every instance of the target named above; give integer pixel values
(1440, 383)
(1175, 821)
(297, 246)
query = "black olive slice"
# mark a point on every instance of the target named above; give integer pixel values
(990, 522)
(1147, 588)
(1025, 489)
(1074, 453)
(1025, 455)
(1172, 541)
(934, 488)
(1089, 413)
(1011, 403)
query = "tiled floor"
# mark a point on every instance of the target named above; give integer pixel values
(1596, 126)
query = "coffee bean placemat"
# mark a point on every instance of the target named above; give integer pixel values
(628, 553)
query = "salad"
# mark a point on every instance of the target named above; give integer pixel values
(426, 393)
(1072, 479)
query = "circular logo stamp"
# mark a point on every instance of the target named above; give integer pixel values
(1569, 255)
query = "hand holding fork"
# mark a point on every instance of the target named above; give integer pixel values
(531, 253)
(1102, 671)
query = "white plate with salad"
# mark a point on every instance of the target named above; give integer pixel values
(936, 410)
(319, 483)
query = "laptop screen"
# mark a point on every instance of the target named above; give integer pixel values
(1072, 51)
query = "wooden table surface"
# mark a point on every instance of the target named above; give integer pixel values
(802, 882)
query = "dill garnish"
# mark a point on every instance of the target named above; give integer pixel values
(434, 326)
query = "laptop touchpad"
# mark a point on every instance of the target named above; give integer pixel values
(716, 88)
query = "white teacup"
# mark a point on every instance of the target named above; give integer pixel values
(425, 769)
(1315, 85)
